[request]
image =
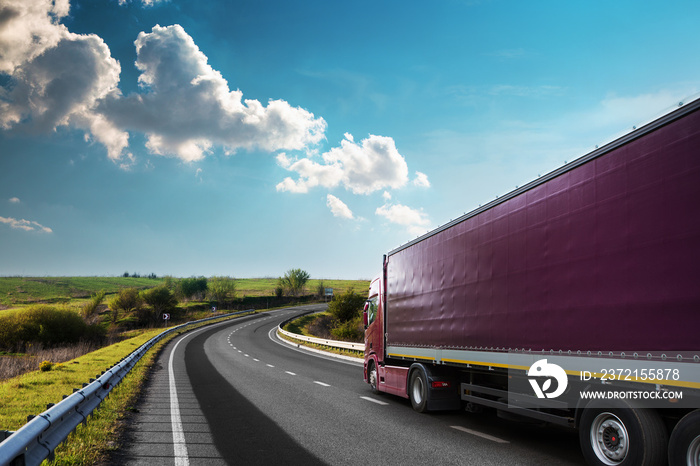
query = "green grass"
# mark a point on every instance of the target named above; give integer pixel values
(299, 325)
(266, 286)
(90, 443)
(16, 291)
(21, 291)
(28, 394)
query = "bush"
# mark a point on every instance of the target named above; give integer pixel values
(294, 281)
(45, 366)
(90, 308)
(127, 300)
(222, 290)
(161, 300)
(49, 326)
(189, 288)
(347, 306)
(352, 330)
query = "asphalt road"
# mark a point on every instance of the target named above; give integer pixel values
(234, 394)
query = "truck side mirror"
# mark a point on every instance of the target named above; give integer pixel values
(365, 318)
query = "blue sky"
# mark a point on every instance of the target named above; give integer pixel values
(246, 138)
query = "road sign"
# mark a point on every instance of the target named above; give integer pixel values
(166, 316)
(329, 291)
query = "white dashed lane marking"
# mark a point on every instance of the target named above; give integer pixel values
(374, 400)
(480, 434)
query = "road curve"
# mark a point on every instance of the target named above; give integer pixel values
(232, 393)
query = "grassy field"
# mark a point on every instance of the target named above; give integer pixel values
(20, 291)
(266, 286)
(17, 291)
(30, 393)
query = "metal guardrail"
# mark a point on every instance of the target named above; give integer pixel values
(37, 440)
(322, 341)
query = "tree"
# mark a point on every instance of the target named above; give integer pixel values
(294, 281)
(347, 306)
(161, 300)
(321, 289)
(127, 300)
(187, 288)
(221, 290)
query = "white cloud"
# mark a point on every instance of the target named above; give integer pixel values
(386, 195)
(338, 207)
(416, 221)
(56, 77)
(14, 200)
(26, 225)
(28, 28)
(362, 168)
(421, 180)
(145, 3)
(186, 107)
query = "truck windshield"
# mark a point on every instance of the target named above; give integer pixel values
(372, 310)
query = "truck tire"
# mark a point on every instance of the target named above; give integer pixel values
(622, 435)
(373, 377)
(418, 390)
(684, 446)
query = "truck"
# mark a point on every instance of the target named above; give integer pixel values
(573, 300)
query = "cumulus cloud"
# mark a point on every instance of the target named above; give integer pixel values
(26, 225)
(56, 77)
(186, 107)
(421, 180)
(363, 168)
(338, 207)
(416, 221)
(14, 200)
(28, 28)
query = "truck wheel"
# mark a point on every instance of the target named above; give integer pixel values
(622, 436)
(372, 377)
(684, 447)
(418, 391)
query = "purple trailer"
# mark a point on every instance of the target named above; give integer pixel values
(590, 275)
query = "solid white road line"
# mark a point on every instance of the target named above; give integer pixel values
(179, 445)
(480, 434)
(374, 401)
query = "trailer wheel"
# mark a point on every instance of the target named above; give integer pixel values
(418, 391)
(372, 377)
(684, 446)
(622, 436)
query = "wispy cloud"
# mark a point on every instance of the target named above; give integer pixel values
(26, 225)
(14, 200)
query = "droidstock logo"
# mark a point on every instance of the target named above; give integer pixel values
(541, 369)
